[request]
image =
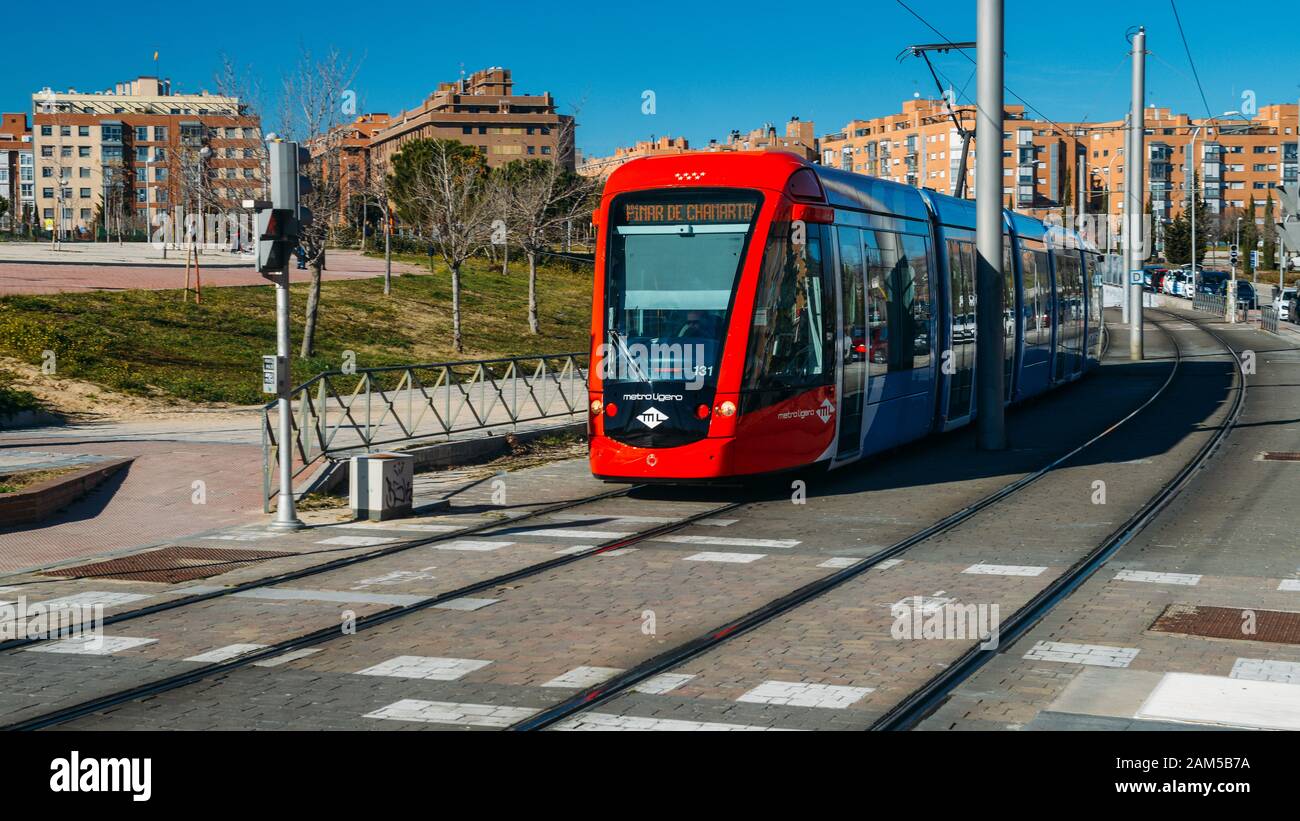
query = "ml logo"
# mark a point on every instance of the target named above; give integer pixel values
(826, 411)
(652, 418)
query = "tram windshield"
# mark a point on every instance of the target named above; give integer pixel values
(674, 259)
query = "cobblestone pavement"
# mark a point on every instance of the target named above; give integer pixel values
(832, 663)
(1227, 541)
(218, 270)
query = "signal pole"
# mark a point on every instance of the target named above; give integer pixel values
(990, 342)
(279, 225)
(1134, 183)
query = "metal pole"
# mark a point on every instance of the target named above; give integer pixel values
(1191, 201)
(1134, 183)
(286, 516)
(991, 433)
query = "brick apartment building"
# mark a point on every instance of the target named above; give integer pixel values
(799, 137)
(356, 163)
(483, 110)
(132, 152)
(17, 171)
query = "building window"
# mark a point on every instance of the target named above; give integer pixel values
(85, 193)
(142, 174)
(83, 131)
(141, 154)
(65, 151)
(142, 133)
(160, 133)
(142, 195)
(47, 193)
(65, 131)
(46, 131)
(162, 195)
(83, 172)
(83, 151)
(85, 213)
(159, 174)
(47, 151)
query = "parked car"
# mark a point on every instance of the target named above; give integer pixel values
(1282, 300)
(1153, 277)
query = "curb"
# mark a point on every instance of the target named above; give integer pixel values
(49, 497)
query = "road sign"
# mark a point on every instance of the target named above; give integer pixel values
(1136, 277)
(1254, 259)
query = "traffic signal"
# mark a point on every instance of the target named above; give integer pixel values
(280, 227)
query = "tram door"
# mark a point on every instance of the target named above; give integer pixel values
(961, 296)
(853, 334)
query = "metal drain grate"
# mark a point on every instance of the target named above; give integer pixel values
(170, 564)
(1281, 456)
(1276, 626)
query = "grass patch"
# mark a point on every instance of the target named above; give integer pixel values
(14, 400)
(14, 482)
(151, 343)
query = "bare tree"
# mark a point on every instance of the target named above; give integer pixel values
(376, 190)
(313, 110)
(444, 185)
(542, 201)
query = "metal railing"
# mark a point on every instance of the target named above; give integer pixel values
(1268, 319)
(1211, 303)
(338, 412)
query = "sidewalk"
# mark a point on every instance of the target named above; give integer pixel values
(26, 270)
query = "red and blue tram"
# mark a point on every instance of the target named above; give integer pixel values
(754, 313)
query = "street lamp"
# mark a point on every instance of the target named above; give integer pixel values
(1190, 182)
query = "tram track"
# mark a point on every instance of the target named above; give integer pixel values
(592, 696)
(89, 706)
(920, 702)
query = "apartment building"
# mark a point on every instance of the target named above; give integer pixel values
(653, 147)
(355, 164)
(484, 111)
(798, 137)
(1233, 158)
(124, 155)
(17, 171)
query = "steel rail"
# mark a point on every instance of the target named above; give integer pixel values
(94, 705)
(687, 650)
(923, 701)
(336, 564)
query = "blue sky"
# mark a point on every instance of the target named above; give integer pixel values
(712, 70)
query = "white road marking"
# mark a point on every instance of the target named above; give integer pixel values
(465, 603)
(355, 541)
(1284, 672)
(1097, 655)
(1201, 699)
(1188, 579)
(425, 667)
(583, 677)
(451, 712)
(728, 558)
(612, 722)
(413, 528)
(226, 653)
(927, 605)
(1005, 570)
(92, 645)
(395, 577)
(649, 520)
(804, 694)
(663, 683)
(622, 551)
(570, 533)
(240, 537)
(888, 563)
(473, 547)
(839, 563)
(1289, 585)
(719, 541)
(577, 548)
(292, 655)
(94, 597)
(342, 596)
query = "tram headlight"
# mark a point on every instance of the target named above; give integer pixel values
(597, 407)
(727, 408)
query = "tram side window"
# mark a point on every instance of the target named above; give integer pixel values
(787, 337)
(898, 277)
(1037, 292)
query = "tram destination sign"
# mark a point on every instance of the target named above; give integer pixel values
(701, 212)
